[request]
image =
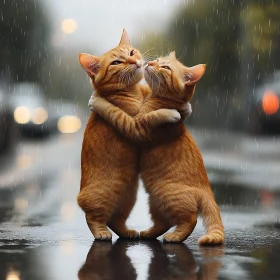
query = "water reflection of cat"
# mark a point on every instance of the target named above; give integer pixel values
(106, 261)
(176, 261)
(169, 261)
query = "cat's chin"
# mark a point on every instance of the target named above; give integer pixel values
(151, 80)
(138, 75)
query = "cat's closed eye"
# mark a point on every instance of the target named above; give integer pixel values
(116, 62)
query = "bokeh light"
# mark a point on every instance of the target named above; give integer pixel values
(69, 25)
(22, 115)
(69, 124)
(270, 102)
(39, 116)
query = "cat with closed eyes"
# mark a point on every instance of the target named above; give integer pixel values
(109, 161)
(171, 165)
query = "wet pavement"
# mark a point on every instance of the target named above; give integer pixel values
(43, 234)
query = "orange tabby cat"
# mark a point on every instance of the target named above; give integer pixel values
(109, 162)
(171, 165)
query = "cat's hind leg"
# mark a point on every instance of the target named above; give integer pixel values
(184, 228)
(123, 209)
(98, 227)
(160, 226)
(180, 203)
(98, 209)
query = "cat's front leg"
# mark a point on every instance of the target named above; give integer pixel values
(99, 105)
(159, 117)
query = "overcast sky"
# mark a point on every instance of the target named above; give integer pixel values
(100, 22)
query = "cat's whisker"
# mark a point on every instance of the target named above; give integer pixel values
(149, 58)
(149, 55)
(147, 51)
(159, 82)
(171, 49)
(126, 80)
(183, 54)
(121, 79)
(158, 79)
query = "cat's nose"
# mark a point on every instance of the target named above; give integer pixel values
(151, 63)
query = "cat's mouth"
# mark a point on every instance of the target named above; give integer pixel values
(136, 72)
(138, 68)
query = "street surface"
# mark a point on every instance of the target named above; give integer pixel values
(43, 233)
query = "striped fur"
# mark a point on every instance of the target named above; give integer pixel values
(171, 164)
(138, 127)
(109, 162)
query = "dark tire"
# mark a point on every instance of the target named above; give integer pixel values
(255, 124)
(11, 136)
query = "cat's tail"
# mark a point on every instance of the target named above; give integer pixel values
(212, 220)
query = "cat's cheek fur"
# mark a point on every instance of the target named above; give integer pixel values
(152, 81)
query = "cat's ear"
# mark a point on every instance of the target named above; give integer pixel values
(90, 63)
(193, 74)
(172, 55)
(125, 39)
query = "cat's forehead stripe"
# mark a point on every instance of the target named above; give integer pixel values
(121, 53)
(164, 61)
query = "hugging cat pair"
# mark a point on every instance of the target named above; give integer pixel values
(136, 129)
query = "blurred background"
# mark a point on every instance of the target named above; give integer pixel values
(44, 95)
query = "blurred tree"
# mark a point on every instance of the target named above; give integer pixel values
(27, 54)
(24, 32)
(238, 40)
(64, 78)
(261, 24)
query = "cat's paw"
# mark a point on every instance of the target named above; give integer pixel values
(186, 109)
(172, 116)
(91, 102)
(130, 234)
(146, 234)
(211, 239)
(103, 235)
(172, 237)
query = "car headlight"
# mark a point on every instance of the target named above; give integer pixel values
(39, 115)
(69, 124)
(270, 102)
(22, 115)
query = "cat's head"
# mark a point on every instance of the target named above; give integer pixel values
(117, 69)
(168, 77)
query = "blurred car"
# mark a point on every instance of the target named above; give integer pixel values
(30, 109)
(8, 128)
(265, 107)
(66, 116)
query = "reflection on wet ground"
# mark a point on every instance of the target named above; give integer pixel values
(162, 261)
(124, 259)
(43, 234)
